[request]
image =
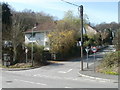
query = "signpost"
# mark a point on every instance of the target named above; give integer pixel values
(26, 51)
(79, 43)
(94, 50)
(87, 50)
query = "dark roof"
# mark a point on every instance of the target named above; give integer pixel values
(47, 26)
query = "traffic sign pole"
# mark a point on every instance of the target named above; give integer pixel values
(26, 51)
(94, 61)
(87, 61)
(87, 50)
(94, 50)
(26, 57)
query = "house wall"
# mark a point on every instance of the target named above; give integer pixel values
(40, 38)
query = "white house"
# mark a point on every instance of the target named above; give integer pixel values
(38, 35)
(39, 38)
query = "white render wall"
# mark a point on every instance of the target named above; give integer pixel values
(40, 38)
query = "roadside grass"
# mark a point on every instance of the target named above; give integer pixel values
(109, 64)
(19, 65)
(108, 70)
(54, 61)
(25, 65)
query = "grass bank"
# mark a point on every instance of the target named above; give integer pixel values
(109, 64)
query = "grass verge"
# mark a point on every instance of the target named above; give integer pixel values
(109, 64)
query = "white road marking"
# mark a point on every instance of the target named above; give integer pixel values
(69, 70)
(61, 72)
(67, 87)
(45, 76)
(65, 71)
(29, 82)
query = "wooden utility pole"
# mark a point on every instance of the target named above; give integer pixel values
(81, 16)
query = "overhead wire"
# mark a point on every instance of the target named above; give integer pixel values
(74, 5)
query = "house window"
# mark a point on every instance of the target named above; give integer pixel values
(46, 44)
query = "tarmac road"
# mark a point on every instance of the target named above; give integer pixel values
(62, 74)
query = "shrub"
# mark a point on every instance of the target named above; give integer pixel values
(37, 53)
(111, 59)
(110, 63)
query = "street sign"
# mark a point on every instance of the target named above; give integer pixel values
(87, 50)
(79, 43)
(26, 50)
(94, 49)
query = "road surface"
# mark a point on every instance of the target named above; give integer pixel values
(58, 75)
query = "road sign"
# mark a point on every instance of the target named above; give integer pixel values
(94, 49)
(79, 43)
(87, 50)
(26, 50)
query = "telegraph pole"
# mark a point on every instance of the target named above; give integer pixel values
(81, 16)
(81, 20)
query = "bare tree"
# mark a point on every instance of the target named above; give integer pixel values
(16, 33)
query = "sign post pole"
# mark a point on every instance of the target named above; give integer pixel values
(94, 50)
(26, 51)
(87, 50)
(94, 61)
(87, 60)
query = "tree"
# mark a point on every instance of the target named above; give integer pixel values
(106, 30)
(61, 41)
(71, 22)
(31, 18)
(92, 40)
(16, 33)
(28, 17)
(6, 21)
(116, 40)
(41, 17)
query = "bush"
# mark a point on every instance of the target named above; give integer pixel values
(37, 53)
(111, 59)
(116, 40)
(110, 63)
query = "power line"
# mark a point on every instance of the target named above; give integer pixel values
(73, 5)
(70, 3)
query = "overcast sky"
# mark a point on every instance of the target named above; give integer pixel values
(97, 11)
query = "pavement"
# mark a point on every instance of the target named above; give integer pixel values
(90, 73)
